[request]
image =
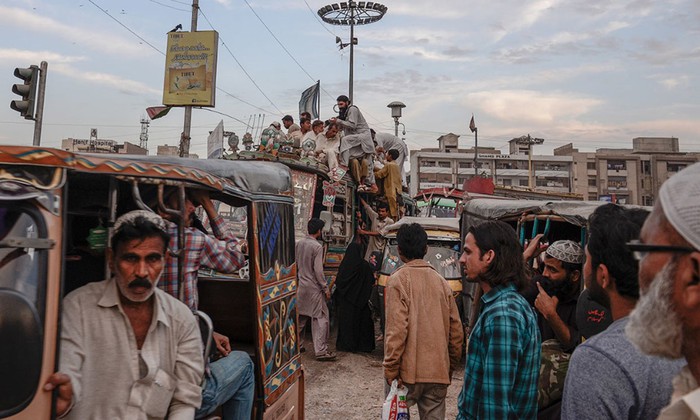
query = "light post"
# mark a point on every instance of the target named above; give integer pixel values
(529, 142)
(351, 13)
(396, 108)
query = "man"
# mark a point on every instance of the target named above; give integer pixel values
(391, 174)
(306, 115)
(378, 221)
(356, 142)
(313, 291)
(293, 130)
(503, 357)
(424, 335)
(317, 127)
(554, 294)
(666, 320)
(608, 377)
(328, 145)
(230, 380)
(387, 141)
(129, 350)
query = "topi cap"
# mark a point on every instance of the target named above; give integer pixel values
(679, 198)
(276, 124)
(567, 251)
(130, 217)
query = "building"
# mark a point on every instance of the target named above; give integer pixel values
(627, 176)
(448, 166)
(94, 145)
(166, 150)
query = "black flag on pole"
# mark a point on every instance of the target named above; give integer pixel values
(472, 125)
(310, 100)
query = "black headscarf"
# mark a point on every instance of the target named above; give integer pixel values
(355, 277)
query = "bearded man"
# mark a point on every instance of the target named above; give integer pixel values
(608, 378)
(666, 321)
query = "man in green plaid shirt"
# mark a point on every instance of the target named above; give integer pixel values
(503, 357)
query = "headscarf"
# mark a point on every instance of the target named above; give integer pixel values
(355, 278)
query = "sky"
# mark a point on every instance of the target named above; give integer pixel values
(595, 73)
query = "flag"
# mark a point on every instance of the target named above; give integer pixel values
(472, 126)
(157, 111)
(309, 101)
(215, 142)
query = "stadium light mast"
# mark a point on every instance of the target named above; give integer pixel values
(351, 13)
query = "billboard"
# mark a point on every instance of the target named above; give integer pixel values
(190, 68)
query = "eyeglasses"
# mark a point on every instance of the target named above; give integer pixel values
(640, 250)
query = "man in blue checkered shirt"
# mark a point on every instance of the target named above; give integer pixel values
(503, 356)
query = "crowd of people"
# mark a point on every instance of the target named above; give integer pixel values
(345, 142)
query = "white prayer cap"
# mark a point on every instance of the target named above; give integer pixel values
(130, 217)
(567, 251)
(680, 200)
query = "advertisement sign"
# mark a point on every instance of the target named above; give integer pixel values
(190, 68)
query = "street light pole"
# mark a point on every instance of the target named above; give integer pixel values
(185, 139)
(396, 108)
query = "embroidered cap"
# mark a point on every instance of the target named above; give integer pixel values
(680, 199)
(130, 217)
(567, 251)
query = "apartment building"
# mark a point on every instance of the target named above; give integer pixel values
(449, 166)
(631, 176)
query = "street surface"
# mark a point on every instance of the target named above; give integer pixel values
(352, 387)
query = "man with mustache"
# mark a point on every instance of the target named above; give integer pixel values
(229, 380)
(666, 321)
(128, 349)
(608, 378)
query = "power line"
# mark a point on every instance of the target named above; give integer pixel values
(319, 20)
(126, 27)
(168, 6)
(239, 63)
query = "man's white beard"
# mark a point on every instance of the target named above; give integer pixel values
(654, 326)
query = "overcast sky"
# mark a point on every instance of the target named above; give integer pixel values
(592, 72)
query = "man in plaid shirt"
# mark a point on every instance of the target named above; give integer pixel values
(503, 357)
(229, 381)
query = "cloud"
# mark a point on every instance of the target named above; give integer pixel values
(12, 55)
(517, 106)
(89, 38)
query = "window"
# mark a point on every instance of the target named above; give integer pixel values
(675, 167)
(593, 197)
(590, 166)
(507, 182)
(465, 164)
(617, 165)
(646, 167)
(444, 164)
(427, 163)
(617, 182)
(523, 183)
(592, 182)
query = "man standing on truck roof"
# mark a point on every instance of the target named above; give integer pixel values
(423, 343)
(608, 378)
(313, 291)
(230, 380)
(129, 350)
(503, 357)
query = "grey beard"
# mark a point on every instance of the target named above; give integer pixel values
(654, 326)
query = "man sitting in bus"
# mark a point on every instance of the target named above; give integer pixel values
(129, 350)
(229, 380)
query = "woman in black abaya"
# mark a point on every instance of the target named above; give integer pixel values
(353, 288)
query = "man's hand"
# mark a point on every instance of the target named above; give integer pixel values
(399, 382)
(222, 343)
(64, 396)
(328, 294)
(534, 248)
(545, 304)
(243, 244)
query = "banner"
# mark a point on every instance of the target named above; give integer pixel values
(155, 112)
(310, 100)
(215, 142)
(190, 68)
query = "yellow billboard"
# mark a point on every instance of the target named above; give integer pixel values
(190, 68)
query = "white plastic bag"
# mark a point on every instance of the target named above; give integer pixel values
(395, 407)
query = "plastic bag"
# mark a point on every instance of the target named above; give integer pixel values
(395, 407)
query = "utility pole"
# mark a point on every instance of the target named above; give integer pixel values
(43, 67)
(185, 138)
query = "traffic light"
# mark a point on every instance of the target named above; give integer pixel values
(27, 91)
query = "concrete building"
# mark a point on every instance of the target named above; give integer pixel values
(166, 150)
(95, 145)
(631, 176)
(449, 166)
(626, 176)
